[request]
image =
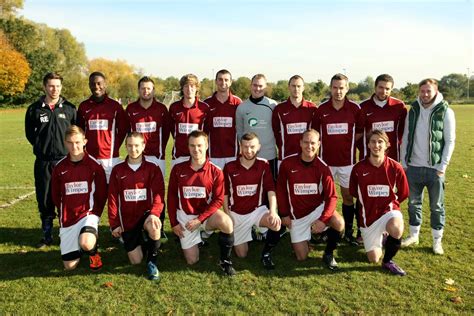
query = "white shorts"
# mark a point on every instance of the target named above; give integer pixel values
(159, 162)
(190, 238)
(373, 234)
(108, 165)
(243, 224)
(220, 162)
(342, 175)
(70, 235)
(179, 160)
(301, 227)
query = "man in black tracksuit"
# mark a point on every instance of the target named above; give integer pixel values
(46, 122)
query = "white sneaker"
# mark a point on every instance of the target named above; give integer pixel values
(410, 240)
(437, 246)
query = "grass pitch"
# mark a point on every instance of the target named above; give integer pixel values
(33, 281)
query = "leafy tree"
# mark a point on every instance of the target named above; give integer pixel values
(280, 91)
(8, 7)
(241, 87)
(121, 78)
(206, 89)
(410, 92)
(14, 69)
(453, 86)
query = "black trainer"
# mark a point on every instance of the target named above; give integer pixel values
(267, 261)
(43, 243)
(330, 262)
(351, 240)
(227, 268)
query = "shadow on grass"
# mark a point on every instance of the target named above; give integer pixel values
(20, 259)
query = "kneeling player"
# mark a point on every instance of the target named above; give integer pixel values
(136, 193)
(381, 186)
(307, 199)
(79, 191)
(195, 194)
(247, 179)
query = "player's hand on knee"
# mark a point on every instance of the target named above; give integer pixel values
(178, 230)
(117, 232)
(274, 220)
(317, 227)
(286, 221)
(193, 224)
(154, 221)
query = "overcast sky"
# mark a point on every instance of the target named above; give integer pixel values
(410, 40)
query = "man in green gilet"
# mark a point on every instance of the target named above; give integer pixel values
(427, 147)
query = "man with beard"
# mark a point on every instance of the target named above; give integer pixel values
(247, 180)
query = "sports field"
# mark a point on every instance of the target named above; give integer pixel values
(33, 281)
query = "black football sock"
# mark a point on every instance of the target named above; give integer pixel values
(162, 218)
(333, 238)
(273, 237)
(93, 251)
(391, 248)
(348, 214)
(152, 247)
(226, 242)
(47, 227)
(357, 207)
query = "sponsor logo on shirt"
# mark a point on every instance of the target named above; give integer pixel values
(337, 128)
(193, 192)
(386, 126)
(62, 115)
(145, 127)
(305, 188)
(221, 121)
(252, 121)
(187, 128)
(79, 187)
(378, 190)
(296, 128)
(246, 190)
(98, 125)
(134, 195)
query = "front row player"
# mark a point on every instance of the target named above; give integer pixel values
(79, 191)
(380, 184)
(247, 179)
(136, 193)
(195, 194)
(307, 199)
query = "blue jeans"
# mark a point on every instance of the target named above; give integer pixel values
(418, 179)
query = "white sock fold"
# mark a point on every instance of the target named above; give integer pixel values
(415, 231)
(437, 234)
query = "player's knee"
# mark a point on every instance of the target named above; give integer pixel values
(241, 253)
(225, 225)
(192, 260)
(135, 261)
(301, 256)
(154, 234)
(70, 265)
(337, 222)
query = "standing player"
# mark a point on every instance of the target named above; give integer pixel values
(291, 119)
(220, 123)
(255, 115)
(46, 122)
(336, 120)
(187, 115)
(380, 184)
(385, 113)
(104, 122)
(151, 118)
(79, 191)
(247, 180)
(307, 199)
(427, 147)
(136, 193)
(195, 194)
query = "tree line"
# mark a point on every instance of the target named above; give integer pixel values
(29, 50)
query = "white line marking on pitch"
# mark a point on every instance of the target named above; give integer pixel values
(16, 188)
(18, 199)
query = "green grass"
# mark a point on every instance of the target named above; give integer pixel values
(33, 281)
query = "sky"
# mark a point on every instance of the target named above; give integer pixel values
(409, 39)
